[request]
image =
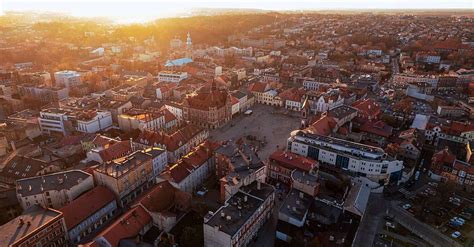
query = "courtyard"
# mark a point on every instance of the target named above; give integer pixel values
(266, 124)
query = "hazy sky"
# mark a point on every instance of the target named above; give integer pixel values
(141, 10)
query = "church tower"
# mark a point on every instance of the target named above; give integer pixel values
(189, 46)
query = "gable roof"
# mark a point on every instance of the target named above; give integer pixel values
(322, 126)
(86, 205)
(128, 225)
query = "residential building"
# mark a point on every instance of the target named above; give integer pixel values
(166, 204)
(176, 144)
(141, 119)
(282, 163)
(37, 226)
(172, 76)
(21, 166)
(239, 220)
(129, 176)
(53, 190)
(62, 121)
(68, 79)
(88, 213)
(237, 165)
(191, 170)
(132, 225)
(451, 111)
(43, 93)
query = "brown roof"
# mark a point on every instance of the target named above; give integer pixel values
(86, 205)
(293, 161)
(258, 87)
(322, 126)
(206, 98)
(367, 107)
(163, 196)
(172, 141)
(127, 226)
(115, 151)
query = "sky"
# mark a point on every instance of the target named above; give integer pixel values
(143, 10)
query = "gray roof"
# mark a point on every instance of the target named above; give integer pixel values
(32, 219)
(56, 181)
(296, 204)
(240, 210)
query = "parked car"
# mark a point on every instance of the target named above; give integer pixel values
(406, 206)
(390, 224)
(456, 234)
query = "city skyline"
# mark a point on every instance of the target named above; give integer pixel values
(126, 11)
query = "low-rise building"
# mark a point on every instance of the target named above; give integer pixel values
(66, 121)
(37, 226)
(239, 220)
(282, 163)
(129, 176)
(172, 76)
(132, 226)
(53, 190)
(189, 172)
(89, 212)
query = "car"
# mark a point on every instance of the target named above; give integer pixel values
(406, 206)
(456, 234)
(456, 218)
(390, 224)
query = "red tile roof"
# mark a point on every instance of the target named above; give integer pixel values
(191, 161)
(258, 87)
(206, 98)
(171, 141)
(292, 94)
(115, 151)
(168, 116)
(86, 205)
(293, 161)
(367, 107)
(379, 128)
(322, 126)
(127, 226)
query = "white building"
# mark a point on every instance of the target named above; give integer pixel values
(172, 76)
(67, 78)
(357, 159)
(53, 190)
(191, 170)
(64, 121)
(144, 120)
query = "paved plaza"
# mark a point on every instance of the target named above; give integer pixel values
(264, 124)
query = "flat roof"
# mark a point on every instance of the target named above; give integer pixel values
(296, 204)
(240, 207)
(31, 219)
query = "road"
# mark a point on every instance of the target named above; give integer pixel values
(373, 216)
(421, 229)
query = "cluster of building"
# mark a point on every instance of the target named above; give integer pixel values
(105, 155)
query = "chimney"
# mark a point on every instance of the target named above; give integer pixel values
(12, 144)
(245, 198)
(259, 186)
(301, 195)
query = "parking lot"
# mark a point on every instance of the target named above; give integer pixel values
(441, 210)
(265, 124)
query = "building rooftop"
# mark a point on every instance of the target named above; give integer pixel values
(296, 204)
(341, 111)
(293, 161)
(86, 205)
(240, 207)
(56, 181)
(357, 150)
(121, 166)
(23, 225)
